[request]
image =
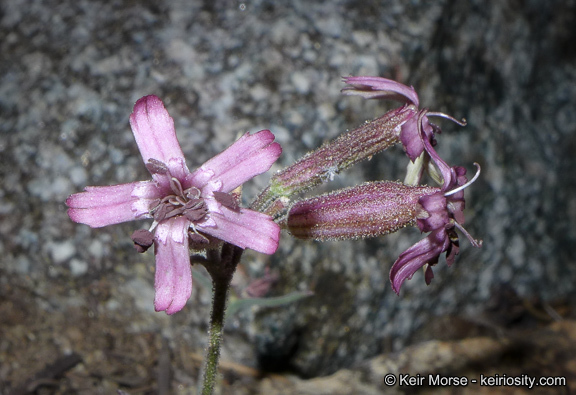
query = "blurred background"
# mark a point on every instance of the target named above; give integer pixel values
(76, 304)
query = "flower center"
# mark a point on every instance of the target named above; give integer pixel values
(185, 202)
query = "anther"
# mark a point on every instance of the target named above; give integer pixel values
(143, 239)
(226, 200)
(196, 237)
(174, 212)
(154, 166)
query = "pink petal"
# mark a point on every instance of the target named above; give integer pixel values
(249, 156)
(173, 280)
(154, 130)
(380, 88)
(435, 205)
(411, 140)
(245, 228)
(425, 251)
(102, 206)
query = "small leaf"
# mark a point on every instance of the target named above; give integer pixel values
(238, 304)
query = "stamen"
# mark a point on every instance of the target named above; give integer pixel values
(177, 200)
(153, 226)
(194, 204)
(446, 116)
(473, 241)
(176, 186)
(461, 187)
(175, 212)
(203, 239)
(187, 203)
(160, 213)
(192, 193)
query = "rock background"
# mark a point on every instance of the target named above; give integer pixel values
(70, 72)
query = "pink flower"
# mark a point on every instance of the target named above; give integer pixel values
(189, 209)
(441, 213)
(417, 132)
(379, 208)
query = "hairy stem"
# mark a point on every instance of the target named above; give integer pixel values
(221, 270)
(215, 336)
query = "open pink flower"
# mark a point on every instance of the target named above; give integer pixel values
(189, 209)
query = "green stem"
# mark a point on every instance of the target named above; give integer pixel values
(220, 289)
(221, 270)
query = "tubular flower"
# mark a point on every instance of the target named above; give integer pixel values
(379, 208)
(189, 209)
(341, 153)
(367, 210)
(441, 213)
(416, 130)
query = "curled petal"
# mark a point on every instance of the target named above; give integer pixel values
(410, 137)
(102, 206)
(154, 130)
(380, 88)
(426, 251)
(249, 156)
(173, 279)
(244, 228)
